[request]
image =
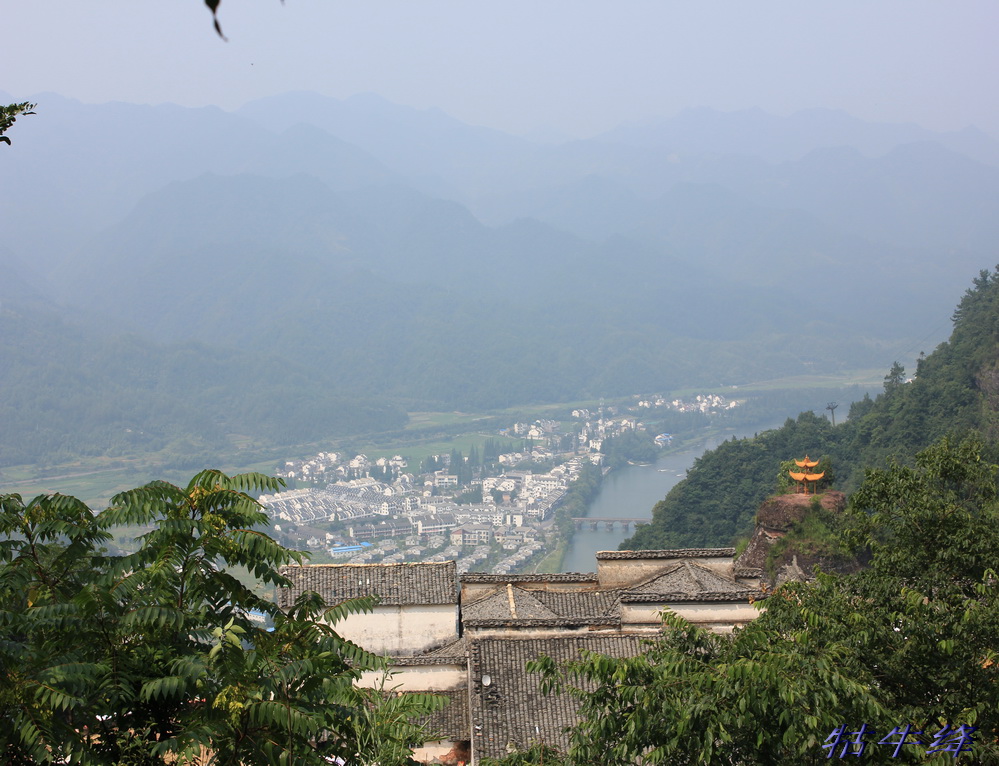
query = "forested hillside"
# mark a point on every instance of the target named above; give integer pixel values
(954, 390)
(306, 267)
(68, 390)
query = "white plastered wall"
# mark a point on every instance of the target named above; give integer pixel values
(419, 678)
(720, 616)
(402, 630)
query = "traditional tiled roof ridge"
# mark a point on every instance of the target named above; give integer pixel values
(747, 572)
(409, 661)
(675, 598)
(488, 578)
(431, 583)
(581, 603)
(452, 653)
(527, 605)
(475, 643)
(553, 622)
(400, 565)
(674, 553)
(510, 603)
(456, 648)
(694, 574)
(687, 577)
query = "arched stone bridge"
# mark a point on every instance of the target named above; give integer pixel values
(595, 522)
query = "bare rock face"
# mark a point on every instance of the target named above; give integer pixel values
(776, 517)
(780, 512)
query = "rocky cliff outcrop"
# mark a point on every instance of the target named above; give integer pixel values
(780, 545)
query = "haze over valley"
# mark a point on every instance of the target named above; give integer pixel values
(307, 267)
(339, 217)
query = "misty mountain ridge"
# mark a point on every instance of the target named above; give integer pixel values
(349, 240)
(191, 141)
(293, 241)
(756, 133)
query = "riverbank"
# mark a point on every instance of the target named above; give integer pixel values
(576, 503)
(552, 562)
(631, 491)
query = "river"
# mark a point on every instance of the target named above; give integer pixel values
(630, 492)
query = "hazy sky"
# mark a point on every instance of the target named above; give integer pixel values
(574, 66)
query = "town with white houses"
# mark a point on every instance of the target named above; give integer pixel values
(495, 511)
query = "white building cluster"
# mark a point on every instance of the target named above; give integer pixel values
(340, 501)
(330, 467)
(403, 521)
(591, 436)
(706, 403)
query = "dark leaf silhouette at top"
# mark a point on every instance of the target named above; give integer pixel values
(213, 6)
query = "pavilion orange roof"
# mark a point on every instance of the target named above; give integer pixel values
(806, 476)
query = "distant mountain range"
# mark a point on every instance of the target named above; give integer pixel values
(399, 258)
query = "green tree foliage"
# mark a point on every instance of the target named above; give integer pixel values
(460, 468)
(431, 463)
(578, 497)
(9, 115)
(536, 754)
(910, 640)
(895, 378)
(718, 499)
(65, 393)
(151, 656)
(490, 451)
(629, 446)
(472, 496)
(933, 534)
(955, 391)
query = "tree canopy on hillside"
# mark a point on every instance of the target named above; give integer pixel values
(907, 642)
(955, 390)
(153, 657)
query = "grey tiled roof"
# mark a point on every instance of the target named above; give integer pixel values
(498, 606)
(502, 579)
(679, 598)
(451, 722)
(682, 581)
(548, 622)
(423, 660)
(395, 584)
(536, 609)
(512, 708)
(676, 553)
(687, 582)
(491, 607)
(687, 577)
(457, 649)
(599, 603)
